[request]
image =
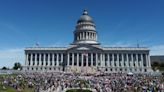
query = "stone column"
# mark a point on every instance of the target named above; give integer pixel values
(142, 60)
(117, 62)
(91, 59)
(149, 62)
(132, 63)
(108, 64)
(96, 60)
(44, 59)
(82, 59)
(101, 58)
(89, 35)
(26, 59)
(48, 60)
(112, 60)
(122, 62)
(62, 58)
(40, 61)
(86, 35)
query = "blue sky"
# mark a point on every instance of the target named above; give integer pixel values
(23, 23)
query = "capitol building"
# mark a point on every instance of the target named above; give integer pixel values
(85, 54)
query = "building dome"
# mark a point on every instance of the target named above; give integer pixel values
(85, 31)
(85, 17)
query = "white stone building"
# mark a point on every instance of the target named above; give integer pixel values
(85, 54)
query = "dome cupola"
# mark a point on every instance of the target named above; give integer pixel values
(85, 31)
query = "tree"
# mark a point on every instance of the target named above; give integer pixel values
(17, 66)
(155, 65)
(4, 68)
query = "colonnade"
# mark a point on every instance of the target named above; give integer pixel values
(101, 60)
(86, 36)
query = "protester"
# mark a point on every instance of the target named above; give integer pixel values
(116, 82)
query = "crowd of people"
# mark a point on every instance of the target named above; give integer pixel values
(58, 82)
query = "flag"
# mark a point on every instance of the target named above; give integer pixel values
(37, 44)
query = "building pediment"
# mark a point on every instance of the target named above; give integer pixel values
(84, 48)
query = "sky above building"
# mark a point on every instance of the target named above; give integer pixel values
(121, 23)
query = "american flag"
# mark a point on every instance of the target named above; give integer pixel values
(37, 44)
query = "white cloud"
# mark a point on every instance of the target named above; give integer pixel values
(9, 56)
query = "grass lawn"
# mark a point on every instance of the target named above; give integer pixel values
(11, 89)
(161, 69)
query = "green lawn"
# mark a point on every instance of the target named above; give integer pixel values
(161, 68)
(11, 89)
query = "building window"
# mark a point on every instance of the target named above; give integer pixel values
(111, 69)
